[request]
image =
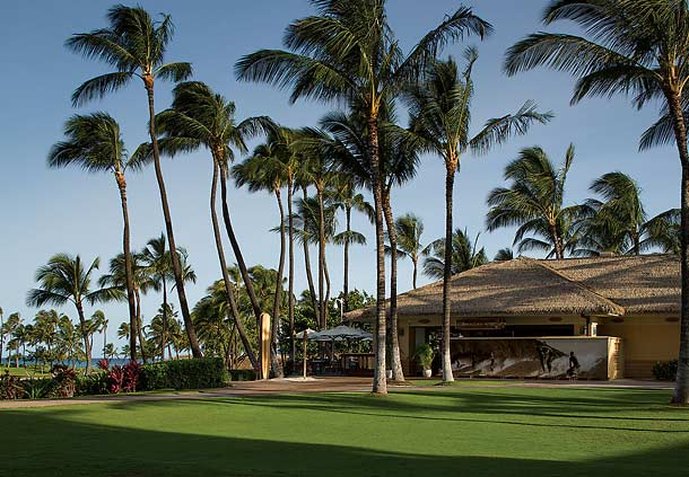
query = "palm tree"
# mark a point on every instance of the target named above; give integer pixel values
(464, 254)
(534, 201)
(134, 45)
(503, 255)
(142, 282)
(157, 260)
(65, 279)
(265, 170)
(618, 223)
(199, 117)
(8, 328)
(347, 52)
(440, 113)
(638, 48)
(409, 229)
(344, 196)
(45, 330)
(124, 331)
(94, 143)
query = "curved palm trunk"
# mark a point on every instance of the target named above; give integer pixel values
(84, 335)
(447, 271)
(415, 265)
(176, 266)
(380, 385)
(226, 277)
(393, 335)
(128, 265)
(290, 280)
(309, 272)
(137, 297)
(345, 265)
(276, 364)
(557, 242)
(321, 259)
(681, 392)
(238, 254)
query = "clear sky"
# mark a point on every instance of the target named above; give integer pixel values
(45, 211)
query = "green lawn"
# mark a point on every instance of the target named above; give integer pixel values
(34, 372)
(469, 430)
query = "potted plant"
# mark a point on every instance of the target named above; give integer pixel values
(424, 355)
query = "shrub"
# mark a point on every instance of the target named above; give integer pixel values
(64, 381)
(89, 384)
(10, 387)
(424, 355)
(665, 370)
(37, 388)
(184, 374)
(242, 374)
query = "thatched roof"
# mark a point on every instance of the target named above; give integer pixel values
(528, 287)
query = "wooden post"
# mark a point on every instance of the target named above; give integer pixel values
(304, 367)
(265, 345)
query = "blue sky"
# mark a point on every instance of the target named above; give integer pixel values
(46, 211)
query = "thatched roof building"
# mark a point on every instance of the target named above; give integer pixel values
(600, 286)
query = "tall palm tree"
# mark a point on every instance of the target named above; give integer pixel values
(143, 279)
(265, 170)
(344, 196)
(157, 260)
(634, 47)
(347, 52)
(617, 222)
(465, 255)
(8, 327)
(440, 113)
(94, 143)
(65, 279)
(534, 201)
(409, 229)
(198, 118)
(134, 45)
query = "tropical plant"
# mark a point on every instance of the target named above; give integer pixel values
(638, 48)
(409, 229)
(94, 143)
(158, 262)
(424, 354)
(503, 255)
(440, 113)
(347, 52)
(464, 255)
(7, 330)
(617, 223)
(134, 45)
(65, 279)
(534, 201)
(199, 117)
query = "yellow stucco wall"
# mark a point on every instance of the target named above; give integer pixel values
(646, 340)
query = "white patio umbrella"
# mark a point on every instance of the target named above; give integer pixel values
(339, 333)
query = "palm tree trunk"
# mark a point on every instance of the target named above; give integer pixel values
(307, 265)
(137, 296)
(290, 280)
(176, 266)
(380, 385)
(345, 278)
(128, 265)
(276, 364)
(225, 275)
(321, 258)
(239, 256)
(415, 264)
(557, 242)
(681, 392)
(393, 336)
(447, 270)
(84, 335)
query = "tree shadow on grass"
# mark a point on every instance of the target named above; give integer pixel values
(49, 442)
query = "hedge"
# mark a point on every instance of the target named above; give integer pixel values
(665, 370)
(184, 374)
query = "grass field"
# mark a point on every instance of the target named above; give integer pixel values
(35, 372)
(470, 430)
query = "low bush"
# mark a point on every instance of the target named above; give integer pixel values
(63, 382)
(90, 384)
(665, 370)
(242, 374)
(10, 387)
(38, 388)
(184, 374)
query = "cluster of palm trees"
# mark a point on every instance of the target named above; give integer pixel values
(52, 337)
(346, 54)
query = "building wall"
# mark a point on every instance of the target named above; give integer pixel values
(645, 341)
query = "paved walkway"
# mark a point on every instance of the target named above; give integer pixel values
(317, 385)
